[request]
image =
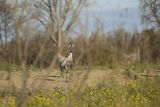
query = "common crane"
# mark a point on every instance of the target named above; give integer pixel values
(65, 62)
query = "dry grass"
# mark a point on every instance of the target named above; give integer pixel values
(51, 80)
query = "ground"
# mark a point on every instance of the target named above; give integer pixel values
(96, 87)
(50, 80)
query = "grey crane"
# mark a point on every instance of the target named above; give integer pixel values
(65, 62)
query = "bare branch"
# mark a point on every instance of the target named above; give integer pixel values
(151, 11)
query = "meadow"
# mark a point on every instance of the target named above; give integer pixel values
(98, 86)
(39, 39)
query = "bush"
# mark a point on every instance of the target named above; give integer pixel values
(136, 93)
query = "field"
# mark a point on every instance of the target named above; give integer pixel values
(115, 64)
(84, 87)
(54, 79)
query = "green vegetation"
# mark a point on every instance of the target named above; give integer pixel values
(135, 93)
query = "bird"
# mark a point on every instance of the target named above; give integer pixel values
(65, 62)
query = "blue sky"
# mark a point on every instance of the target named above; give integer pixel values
(115, 13)
(102, 5)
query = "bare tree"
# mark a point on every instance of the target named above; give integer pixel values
(21, 20)
(59, 17)
(5, 27)
(151, 11)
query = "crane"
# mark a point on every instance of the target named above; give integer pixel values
(66, 62)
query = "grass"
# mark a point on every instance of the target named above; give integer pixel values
(133, 94)
(101, 87)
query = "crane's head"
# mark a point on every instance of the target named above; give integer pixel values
(69, 46)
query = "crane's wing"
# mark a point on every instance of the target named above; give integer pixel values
(61, 58)
(69, 59)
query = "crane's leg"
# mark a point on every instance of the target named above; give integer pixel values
(61, 70)
(66, 75)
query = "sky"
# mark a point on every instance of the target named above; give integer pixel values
(115, 13)
(102, 5)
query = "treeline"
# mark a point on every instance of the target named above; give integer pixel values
(26, 36)
(100, 48)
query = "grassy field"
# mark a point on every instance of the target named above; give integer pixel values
(84, 87)
(53, 79)
(112, 67)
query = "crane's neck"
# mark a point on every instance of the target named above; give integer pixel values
(70, 50)
(70, 54)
